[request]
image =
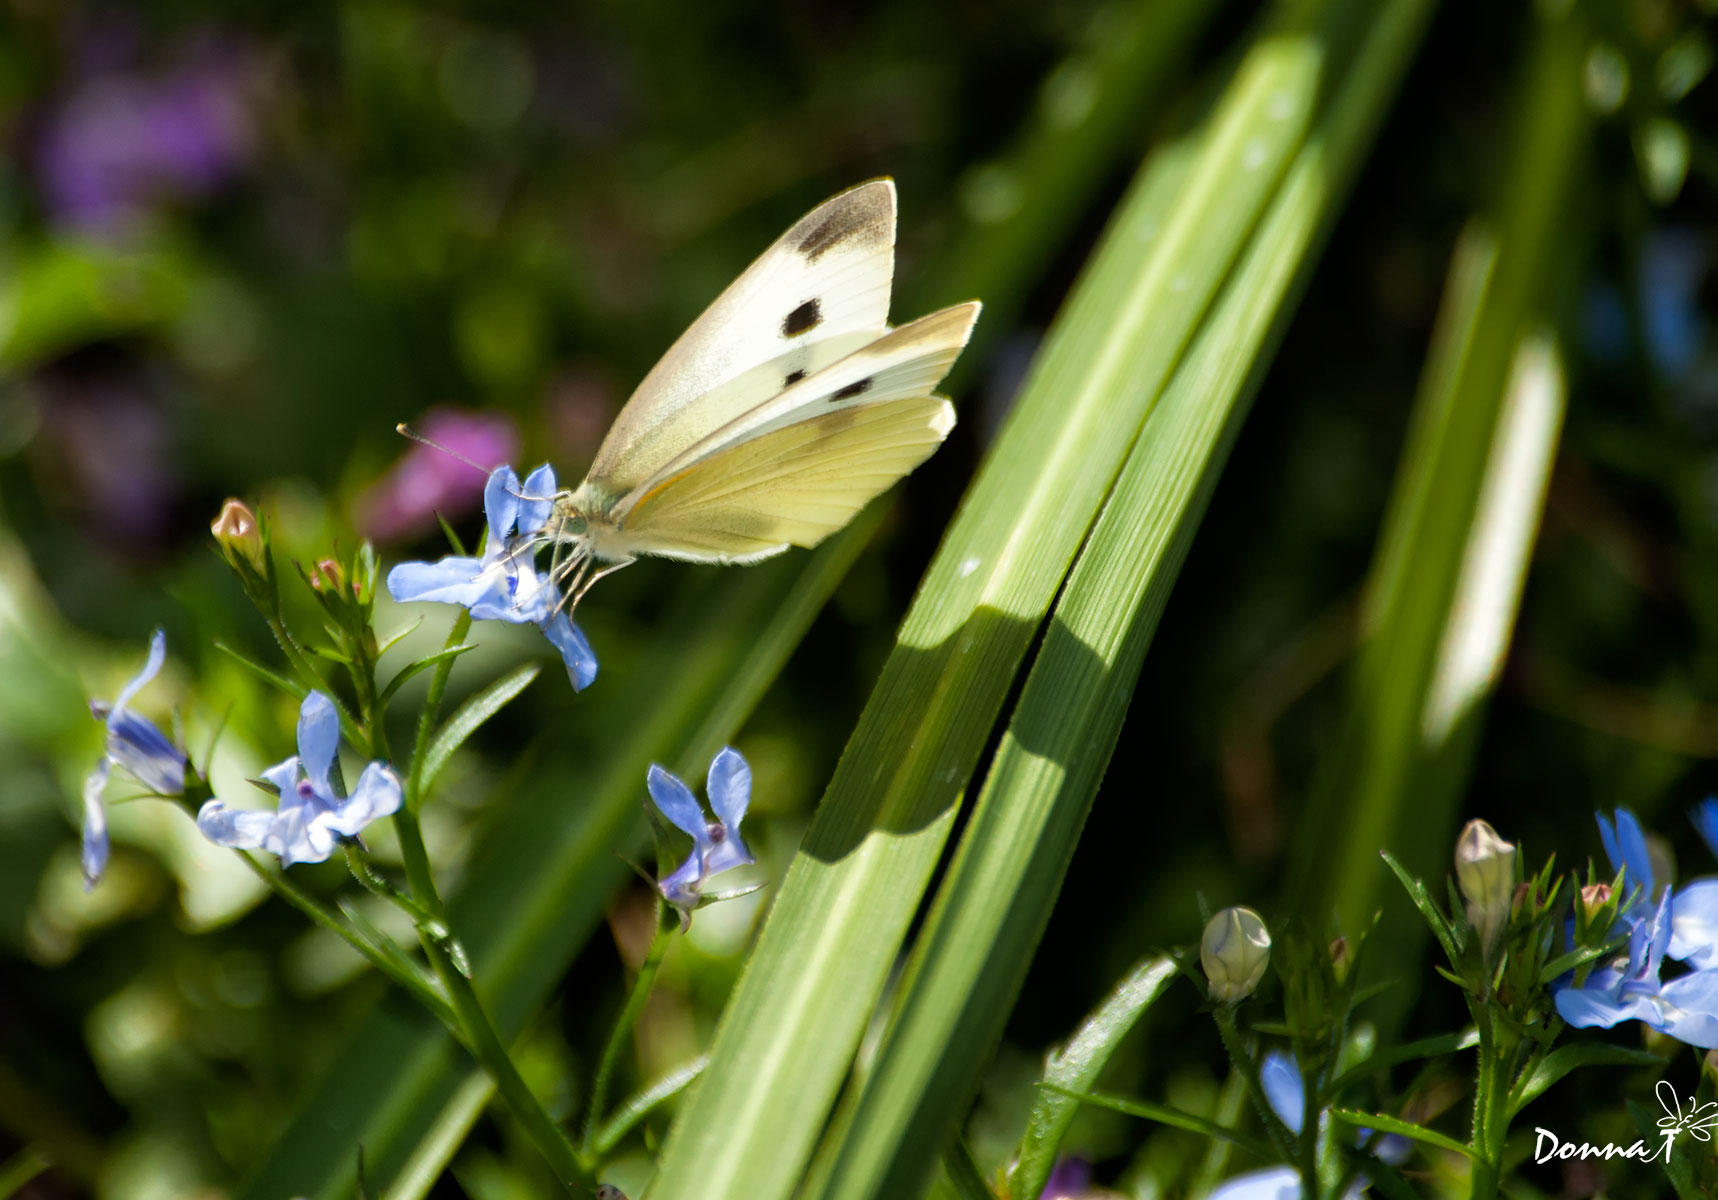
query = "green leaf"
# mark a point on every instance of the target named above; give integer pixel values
(1407, 1129)
(1458, 533)
(406, 672)
(644, 1102)
(290, 686)
(1431, 1047)
(789, 1032)
(1678, 1168)
(1428, 908)
(990, 911)
(470, 716)
(1076, 1066)
(1165, 1114)
(1565, 963)
(1572, 1057)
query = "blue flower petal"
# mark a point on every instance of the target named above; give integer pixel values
(538, 500)
(452, 580)
(283, 776)
(575, 648)
(239, 828)
(1601, 1007)
(1625, 846)
(157, 656)
(1689, 1009)
(726, 852)
(501, 504)
(682, 888)
(1272, 1183)
(675, 801)
(135, 744)
(297, 835)
(1706, 822)
(318, 740)
(1280, 1078)
(95, 845)
(377, 795)
(729, 787)
(1694, 925)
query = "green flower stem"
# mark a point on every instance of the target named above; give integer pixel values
(635, 1001)
(361, 870)
(396, 970)
(563, 1158)
(568, 1164)
(1281, 1137)
(1497, 1046)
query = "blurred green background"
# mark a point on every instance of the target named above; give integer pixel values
(239, 244)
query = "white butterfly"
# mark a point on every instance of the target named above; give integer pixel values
(785, 408)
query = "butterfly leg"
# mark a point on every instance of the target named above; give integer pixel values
(585, 586)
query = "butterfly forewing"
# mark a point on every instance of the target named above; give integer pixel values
(905, 363)
(826, 280)
(794, 485)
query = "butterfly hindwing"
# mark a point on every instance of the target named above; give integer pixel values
(818, 293)
(791, 486)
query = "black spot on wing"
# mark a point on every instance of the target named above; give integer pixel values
(852, 390)
(834, 229)
(806, 316)
(792, 378)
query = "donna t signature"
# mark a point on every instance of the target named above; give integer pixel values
(1697, 1121)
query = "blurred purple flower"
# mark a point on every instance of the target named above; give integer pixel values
(1072, 1177)
(121, 140)
(135, 744)
(404, 502)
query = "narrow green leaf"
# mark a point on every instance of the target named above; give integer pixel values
(1407, 1129)
(1565, 963)
(470, 717)
(290, 686)
(645, 1101)
(1432, 1047)
(1165, 1114)
(965, 1180)
(411, 669)
(1077, 1065)
(990, 912)
(790, 1030)
(1458, 532)
(1427, 907)
(1572, 1057)
(1678, 1168)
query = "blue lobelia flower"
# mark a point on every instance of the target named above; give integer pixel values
(1629, 989)
(504, 584)
(310, 817)
(716, 845)
(136, 745)
(1693, 918)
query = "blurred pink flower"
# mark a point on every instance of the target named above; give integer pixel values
(425, 481)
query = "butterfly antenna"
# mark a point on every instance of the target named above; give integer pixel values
(407, 431)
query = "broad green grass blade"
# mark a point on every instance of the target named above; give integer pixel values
(539, 888)
(1458, 534)
(991, 909)
(1077, 1065)
(789, 1032)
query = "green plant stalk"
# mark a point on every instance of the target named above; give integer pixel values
(419, 987)
(1247, 1067)
(1497, 1046)
(563, 1157)
(629, 1013)
(486, 1045)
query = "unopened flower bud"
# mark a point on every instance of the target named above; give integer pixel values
(1234, 951)
(1485, 873)
(327, 574)
(1341, 957)
(238, 533)
(1595, 895)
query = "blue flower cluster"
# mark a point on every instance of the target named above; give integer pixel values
(504, 584)
(310, 817)
(1681, 926)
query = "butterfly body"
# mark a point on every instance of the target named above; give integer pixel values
(782, 411)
